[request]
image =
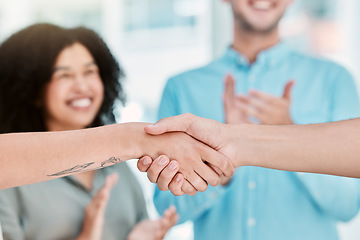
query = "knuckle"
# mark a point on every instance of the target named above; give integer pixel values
(214, 181)
(151, 178)
(203, 188)
(162, 187)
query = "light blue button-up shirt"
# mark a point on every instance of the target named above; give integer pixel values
(264, 204)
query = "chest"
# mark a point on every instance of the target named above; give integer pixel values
(311, 101)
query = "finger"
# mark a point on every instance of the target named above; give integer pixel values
(176, 184)
(144, 163)
(102, 196)
(188, 189)
(180, 123)
(171, 217)
(209, 174)
(262, 96)
(198, 182)
(258, 104)
(287, 90)
(111, 181)
(229, 87)
(156, 168)
(242, 98)
(215, 168)
(167, 175)
(219, 160)
(254, 112)
(174, 216)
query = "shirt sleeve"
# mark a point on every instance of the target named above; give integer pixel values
(9, 215)
(344, 96)
(337, 196)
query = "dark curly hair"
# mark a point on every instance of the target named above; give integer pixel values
(27, 60)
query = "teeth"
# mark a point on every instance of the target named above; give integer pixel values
(81, 103)
(262, 5)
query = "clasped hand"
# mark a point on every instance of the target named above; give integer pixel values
(187, 175)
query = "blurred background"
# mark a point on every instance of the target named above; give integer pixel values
(155, 39)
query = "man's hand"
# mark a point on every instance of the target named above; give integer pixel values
(234, 105)
(195, 158)
(267, 108)
(214, 134)
(94, 213)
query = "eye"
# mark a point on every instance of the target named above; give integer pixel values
(90, 72)
(64, 76)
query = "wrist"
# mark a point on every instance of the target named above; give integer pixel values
(137, 141)
(239, 144)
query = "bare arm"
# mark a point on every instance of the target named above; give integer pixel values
(329, 148)
(33, 157)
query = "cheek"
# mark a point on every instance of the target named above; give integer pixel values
(54, 97)
(98, 88)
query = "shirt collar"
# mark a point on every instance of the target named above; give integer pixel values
(271, 56)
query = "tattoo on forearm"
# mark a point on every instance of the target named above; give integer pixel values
(82, 168)
(111, 161)
(76, 169)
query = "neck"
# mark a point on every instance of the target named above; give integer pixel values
(251, 43)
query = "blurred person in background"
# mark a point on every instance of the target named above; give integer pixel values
(57, 79)
(274, 85)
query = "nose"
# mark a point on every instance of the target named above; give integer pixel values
(81, 84)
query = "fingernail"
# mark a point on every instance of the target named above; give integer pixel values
(178, 178)
(173, 166)
(146, 161)
(162, 161)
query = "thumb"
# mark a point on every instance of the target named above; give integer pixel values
(229, 86)
(287, 89)
(180, 123)
(111, 181)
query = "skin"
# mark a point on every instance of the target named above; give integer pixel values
(327, 148)
(94, 213)
(72, 99)
(254, 31)
(267, 109)
(154, 230)
(49, 155)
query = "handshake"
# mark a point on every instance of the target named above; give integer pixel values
(199, 152)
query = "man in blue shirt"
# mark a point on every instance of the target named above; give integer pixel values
(257, 203)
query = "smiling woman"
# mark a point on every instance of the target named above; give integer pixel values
(75, 92)
(56, 79)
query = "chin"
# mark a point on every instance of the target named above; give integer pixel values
(260, 27)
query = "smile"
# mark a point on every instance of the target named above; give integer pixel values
(81, 103)
(262, 5)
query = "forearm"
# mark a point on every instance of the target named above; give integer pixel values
(331, 148)
(32, 157)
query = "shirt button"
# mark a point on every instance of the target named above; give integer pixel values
(251, 222)
(251, 185)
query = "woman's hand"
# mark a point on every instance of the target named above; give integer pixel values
(94, 213)
(196, 161)
(154, 229)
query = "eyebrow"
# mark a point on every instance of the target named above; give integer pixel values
(61, 68)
